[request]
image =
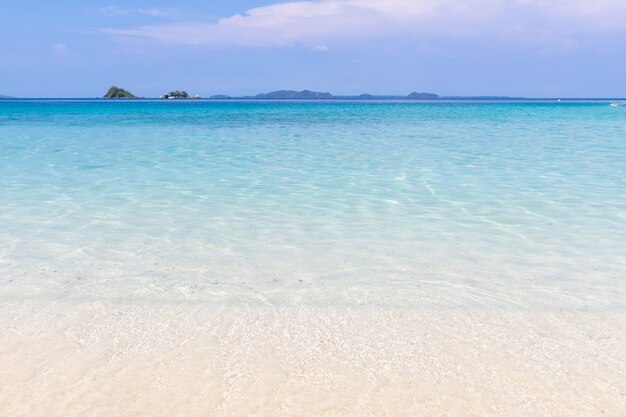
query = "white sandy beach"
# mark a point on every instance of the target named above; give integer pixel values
(104, 359)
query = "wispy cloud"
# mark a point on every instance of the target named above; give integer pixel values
(61, 53)
(60, 49)
(152, 12)
(318, 22)
(113, 11)
(585, 14)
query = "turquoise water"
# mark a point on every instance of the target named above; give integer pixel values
(431, 205)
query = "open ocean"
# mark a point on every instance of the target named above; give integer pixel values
(440, 205)
(397, 230)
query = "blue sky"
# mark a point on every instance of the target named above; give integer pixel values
(534, 48)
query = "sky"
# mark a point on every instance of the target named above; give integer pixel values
(529, 48)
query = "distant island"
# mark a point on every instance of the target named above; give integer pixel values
(315, 95)
(290, 95)
(484, 98)
(116, 92)
(1, 97)
(422, 96)
(178, 94)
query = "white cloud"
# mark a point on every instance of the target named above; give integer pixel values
(60, 53)
(599, 14)
(320, 48)
(118, 11)
(318, 22)
(154, 12)
(60, 49)
(113, 11)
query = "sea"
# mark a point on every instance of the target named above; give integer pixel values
(431, 205)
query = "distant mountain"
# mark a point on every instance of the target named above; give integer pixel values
(219, 97)
(483, 98)
(290, 94)
(1, 97)
(313, 95)
(422, 96)
(116, 92)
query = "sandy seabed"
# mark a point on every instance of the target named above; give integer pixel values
(105, 359)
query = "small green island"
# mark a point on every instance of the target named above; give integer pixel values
(116, 92)
(178, 94)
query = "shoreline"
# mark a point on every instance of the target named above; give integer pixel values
(71, 359)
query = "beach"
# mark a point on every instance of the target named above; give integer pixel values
(107, 359)
(312, 258)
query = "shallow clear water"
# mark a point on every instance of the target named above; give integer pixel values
(439, 205)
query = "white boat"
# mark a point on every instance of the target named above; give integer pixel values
(618, 105)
